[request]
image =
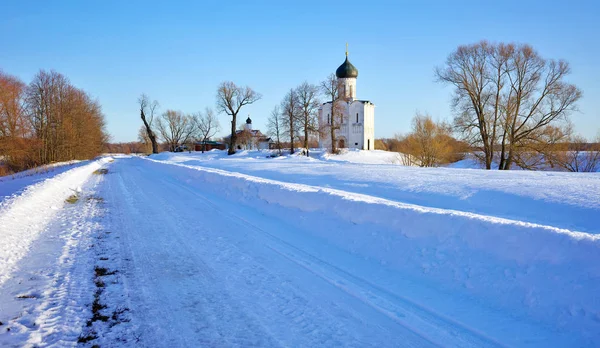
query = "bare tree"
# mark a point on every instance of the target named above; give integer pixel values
(230, 99)
(207, 125)
(290, 116)
(308, 100)
(505, 95)
(537, 98)
(330, 88)
(274, 128)
(147, 110)
(175, 128)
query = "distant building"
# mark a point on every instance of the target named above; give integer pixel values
(249, 139)
(208, 145)
(357, 129)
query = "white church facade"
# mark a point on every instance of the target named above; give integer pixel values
(355, 118)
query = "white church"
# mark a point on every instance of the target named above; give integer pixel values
(357, 127)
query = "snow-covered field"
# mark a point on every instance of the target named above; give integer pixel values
(351, 250)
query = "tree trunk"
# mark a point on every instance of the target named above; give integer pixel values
(291, 135)
(306, 134)
(232, 140)
(150, 133)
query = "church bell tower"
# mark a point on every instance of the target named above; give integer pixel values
(347, 74)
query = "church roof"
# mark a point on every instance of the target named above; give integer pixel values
(346, 70)
(356, 100)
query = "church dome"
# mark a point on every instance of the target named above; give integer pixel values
(346, 70)
(248, 120)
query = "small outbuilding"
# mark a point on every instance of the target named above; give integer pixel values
(208, 145)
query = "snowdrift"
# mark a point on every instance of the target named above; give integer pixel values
(539, 271)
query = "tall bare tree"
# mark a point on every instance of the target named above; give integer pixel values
(147, 113)
(538, 97)
(308, 102)
(330, 88)
(230, 99)
(290, 116)
(274, 128)
(505, 95)
(207, 125)
(175, 128)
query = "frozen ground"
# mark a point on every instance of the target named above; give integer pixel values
(208, 250)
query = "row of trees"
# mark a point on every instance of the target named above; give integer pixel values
(47, 120)
(174, 127)
(293, 121)
(296, 117)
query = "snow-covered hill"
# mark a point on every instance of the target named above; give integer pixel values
(210, 250)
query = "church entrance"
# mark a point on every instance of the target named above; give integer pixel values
(341, 144)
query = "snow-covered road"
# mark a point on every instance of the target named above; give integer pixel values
(159, 254)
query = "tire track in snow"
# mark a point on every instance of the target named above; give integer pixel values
(293, 305)
(253, 300)
(150, 277)
(433, 327)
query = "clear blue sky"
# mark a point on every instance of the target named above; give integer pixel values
(178, 52)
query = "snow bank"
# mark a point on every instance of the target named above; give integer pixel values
(15, 183)
(24, 216)
(543, 272)
(346, 155)
(365, 157)
(565, 200)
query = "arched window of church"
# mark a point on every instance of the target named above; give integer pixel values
(357, 117)
(328, 119)
(351, 91)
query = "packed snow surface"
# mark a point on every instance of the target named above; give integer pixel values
(196, 249)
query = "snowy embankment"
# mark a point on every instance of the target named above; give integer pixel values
(16, 183)
(565, 200)
(24, 215)
(525, 270)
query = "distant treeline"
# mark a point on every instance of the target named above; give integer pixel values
(48, 120)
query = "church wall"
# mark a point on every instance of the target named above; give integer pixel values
(369, 134)
(356, 134)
